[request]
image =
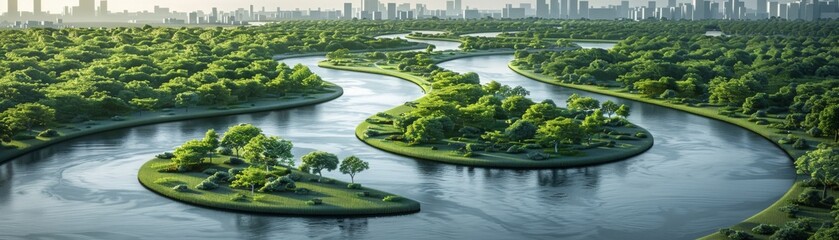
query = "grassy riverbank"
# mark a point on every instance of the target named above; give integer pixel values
(71, 131)
(772, 214)
(337, 199)
(444, 152)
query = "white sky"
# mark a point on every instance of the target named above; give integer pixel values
(56, 6)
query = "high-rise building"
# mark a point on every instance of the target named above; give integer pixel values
(36, 7)
(761, 7)
(817, 7)
(347, 10)
(458, 6)
(773, 9)
(573, 9)
(542, 9)
(87, 8)
(555, 9)
(449, 7)
(12, 10)
(698, 10)
(251, 15)
(583, 9)
(391, 11)
(671, 3)
(371, 6)
(624, 10)
(782, 11)
(103, 7)
(650, 10)
(564, 10)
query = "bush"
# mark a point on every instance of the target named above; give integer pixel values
(759, 114)
(806, 224)
(166, 155)
(810, 197)
(790, 209)
(210, 171)
(622, 137)
(239, 197)
(829, 201)
(49, 133)
(180, 188)
(640, 135)
(392, 198)
(354, 186)
(765, 229)
(363, 194)
(537, 156)
(434, 148)
(219, 177)
(225, 151)
(117, 118)
(469, 154)
(726, 231)
(302, 191)
(515, 149)
(23, 137)
(740, 235)
(789, 233)
(801, 144)
(233, 172)
(314, 201)
(206, 185)
(165, 181)
(234, 161)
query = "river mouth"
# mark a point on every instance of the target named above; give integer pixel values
(701, 175)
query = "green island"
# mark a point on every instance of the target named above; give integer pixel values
(744, 80)
(462, 122)
(205, 172)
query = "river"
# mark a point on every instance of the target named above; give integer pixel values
(701, 175)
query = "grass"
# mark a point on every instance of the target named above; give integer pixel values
(624, 149)
(71, 131)
(770, 215)
(338, 200)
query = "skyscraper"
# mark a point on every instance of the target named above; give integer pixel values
(624, 9)
(458, 6)
(542, 9)
(12, 10)
(573, 9)
(761, 8)
(371, 6)
(773, 9)
(564, 9)
(583, 9)
(251, 15)
(87, 8)
(449, 7)
(347, 10)
(555, 9)
(36, 7)
(103, 7)
(672, 3)
(698, 10)
(391, 11)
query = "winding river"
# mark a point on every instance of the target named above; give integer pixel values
(701, 175)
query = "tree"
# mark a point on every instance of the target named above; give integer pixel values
(186, 99)
(516, 105)
(521, 130)
(250, 177)
(147, 104)
(822, 164)
(558, 130)
(318, 161)
(428, 129)
(592, 124)
(623, 111)
(829, 121)
(539, 113)
(190, 153)
(430, 48)
(266, 151)
(609, 108)
(583, 103)
(353, 165)
(338, 54)
(238, 136)
(211, 139)
(28, 115)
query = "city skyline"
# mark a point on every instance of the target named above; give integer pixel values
(57, 6)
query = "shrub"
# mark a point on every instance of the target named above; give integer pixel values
(239, 197)
(225, 151)
(434, 148)
(789, 233)
(234, 161)
(278, 184)
(759, 114)
(363, 194)
(206, 185)
(622, 137)
(765, 229)
(829, 201)
(302, 191)
(166, 155)
(392, 198)
(165, 181)
(515, 149)
(726, 231)
(354, 186)
(740, 235)
(537, 156)
(210, 171)
(180, 188)
(23, 137)
(469, 154)
(611, 144)
(49, 133)
(790, 209)
(233, 172)
(220, 176)
(806, 224)
(801, 144)
(117, 118)
(314, 201)
(532, 146)
(815, 132)
(810, 197)
(640, 135)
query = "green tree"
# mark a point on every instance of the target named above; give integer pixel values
(609, 108)
(593, 123)
(623, 111)
(559, 130)
(583, 103)
(821, 164)
(211, 139)
(238, 136)
(539, 113)
(5, 132)
(269, 151)
(338, 54)
(190, 153)
(186, 99)
(829, 121)
(428, 129)
(516, 105)
(146, 104)
(353, 165)
(521, 130)
(430, 48)
(250, 177)
(24, 116)
(318, 161)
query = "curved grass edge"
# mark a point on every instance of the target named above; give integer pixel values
(146, 177)
(770, 214)
(9, 154)
(442, 156)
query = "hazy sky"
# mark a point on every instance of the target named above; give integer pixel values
(56, 6)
